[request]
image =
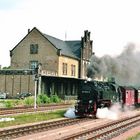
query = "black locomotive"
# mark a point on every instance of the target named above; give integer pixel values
(94, 94)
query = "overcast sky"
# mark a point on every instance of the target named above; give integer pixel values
(112, 23)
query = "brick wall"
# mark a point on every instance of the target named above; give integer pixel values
(14, 84)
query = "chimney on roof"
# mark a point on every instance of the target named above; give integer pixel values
(87, 35)
(28, 31)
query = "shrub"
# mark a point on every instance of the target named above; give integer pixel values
(55, 99)
(44, 98)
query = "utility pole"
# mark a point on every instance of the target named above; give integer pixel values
(36, 79)
(35, 94)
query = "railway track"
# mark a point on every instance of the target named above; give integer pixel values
(107, 131)
(5, 111)
(9, 134)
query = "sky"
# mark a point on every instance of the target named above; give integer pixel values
(113, 23)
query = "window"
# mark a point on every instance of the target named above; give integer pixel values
(64, 68)
(72, 70)
(33, 64)
(127, 94)
(33, 48)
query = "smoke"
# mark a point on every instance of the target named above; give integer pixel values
(106, 113)
(115, 111)
(125, 68)
(70, 113)
(110, 113)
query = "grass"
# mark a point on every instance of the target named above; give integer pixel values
(9, 103)
(136, 137)
(31, 118)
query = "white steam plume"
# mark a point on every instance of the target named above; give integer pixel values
(70, 113)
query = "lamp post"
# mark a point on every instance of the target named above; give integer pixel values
(36, 79)
(35, 93)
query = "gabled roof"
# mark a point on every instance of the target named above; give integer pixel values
(65, 47)
(68, 48)
(75, 47)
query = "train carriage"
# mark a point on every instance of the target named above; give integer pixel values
(137, 97)
(128, 95)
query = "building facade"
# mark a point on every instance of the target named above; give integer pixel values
(62, 63)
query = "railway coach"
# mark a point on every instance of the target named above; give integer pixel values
(137, 97)
(128, 95)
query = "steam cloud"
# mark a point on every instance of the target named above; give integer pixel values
(125, 68)
(70, 113)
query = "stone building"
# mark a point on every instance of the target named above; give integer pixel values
(62, 63)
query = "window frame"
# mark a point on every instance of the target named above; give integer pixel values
(64, 68)
(33, 64)
(73, 70)
(34, 48)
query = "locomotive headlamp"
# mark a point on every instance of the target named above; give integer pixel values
(90, 101)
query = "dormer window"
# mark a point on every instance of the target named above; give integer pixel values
(33, 48)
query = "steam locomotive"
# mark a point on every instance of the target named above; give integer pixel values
(95, 94)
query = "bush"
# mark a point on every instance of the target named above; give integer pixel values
(55, 99)
(44, 98)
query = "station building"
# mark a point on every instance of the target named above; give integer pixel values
(61, 64)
